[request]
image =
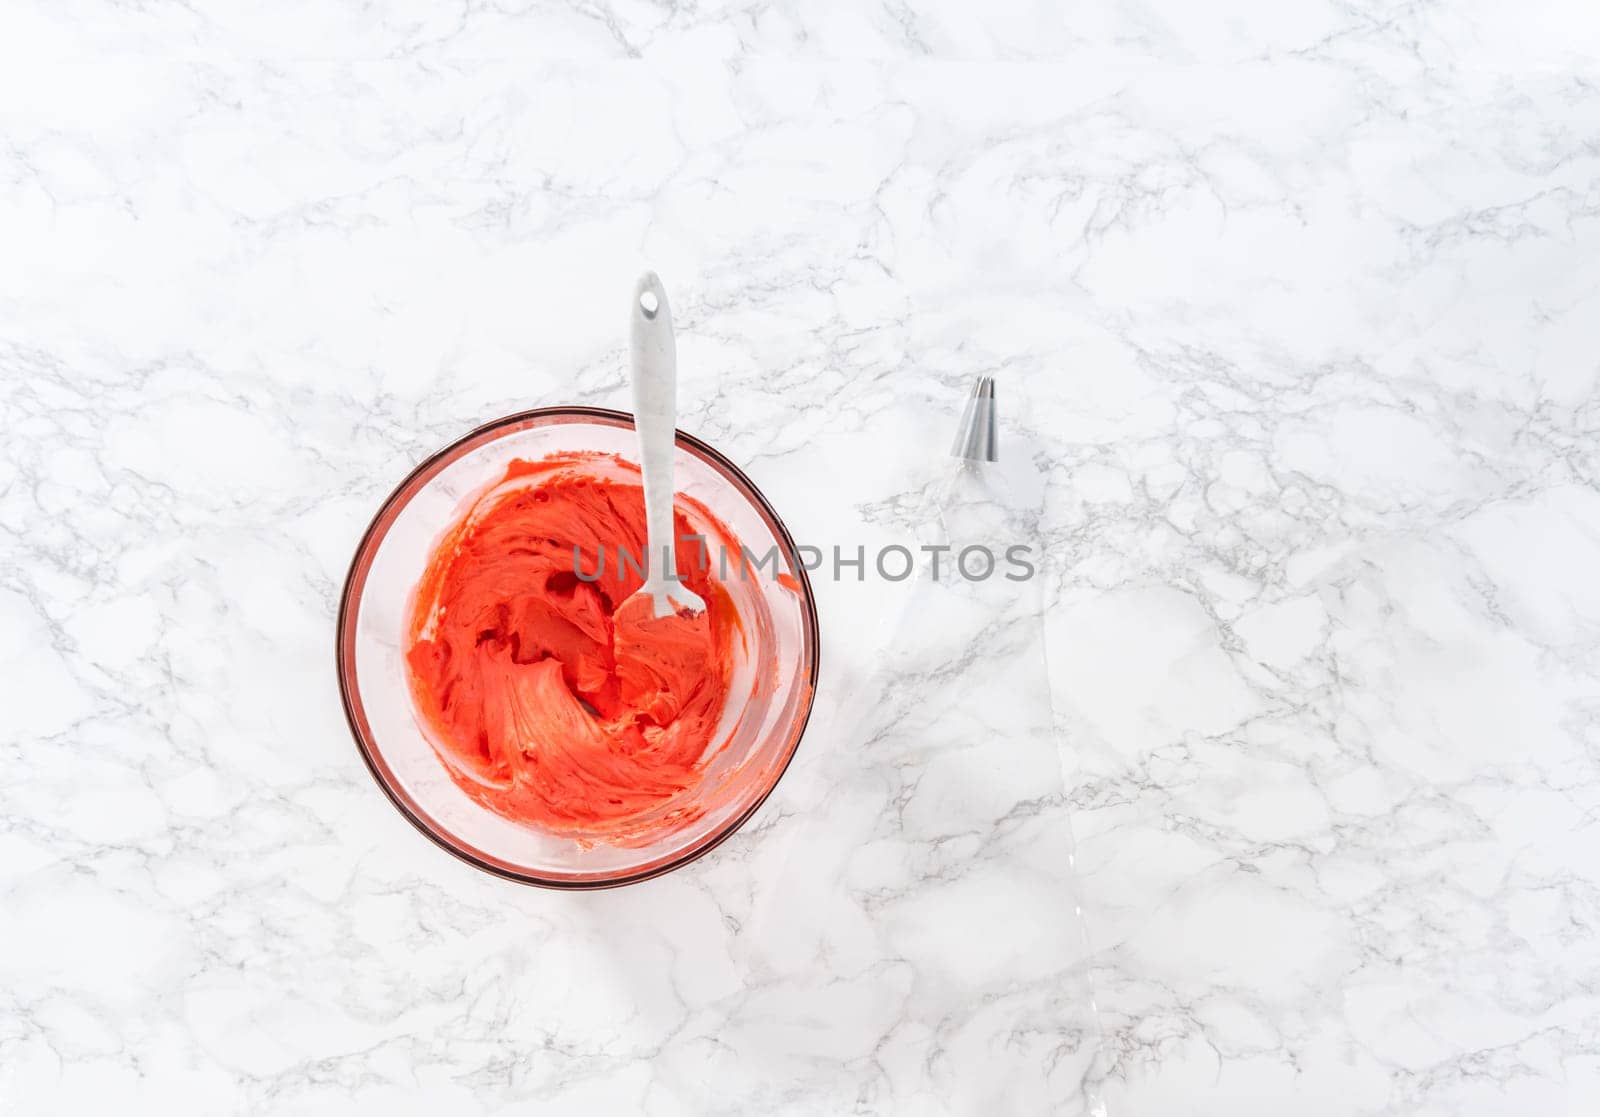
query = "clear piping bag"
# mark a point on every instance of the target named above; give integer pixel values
(923, 948)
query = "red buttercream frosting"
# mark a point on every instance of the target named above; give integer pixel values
(553, 700)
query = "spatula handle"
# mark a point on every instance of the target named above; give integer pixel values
(655, 394)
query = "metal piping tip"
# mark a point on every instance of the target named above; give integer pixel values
(976, 440)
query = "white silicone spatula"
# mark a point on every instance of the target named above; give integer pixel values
(655, 416)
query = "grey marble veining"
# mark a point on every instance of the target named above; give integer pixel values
(1293, 305)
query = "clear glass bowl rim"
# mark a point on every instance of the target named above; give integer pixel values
(355, 582)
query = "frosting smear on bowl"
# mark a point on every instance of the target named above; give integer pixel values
(549, 704)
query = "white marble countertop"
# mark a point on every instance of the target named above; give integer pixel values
(1297, 302)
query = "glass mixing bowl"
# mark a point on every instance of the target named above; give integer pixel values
(774, 678)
